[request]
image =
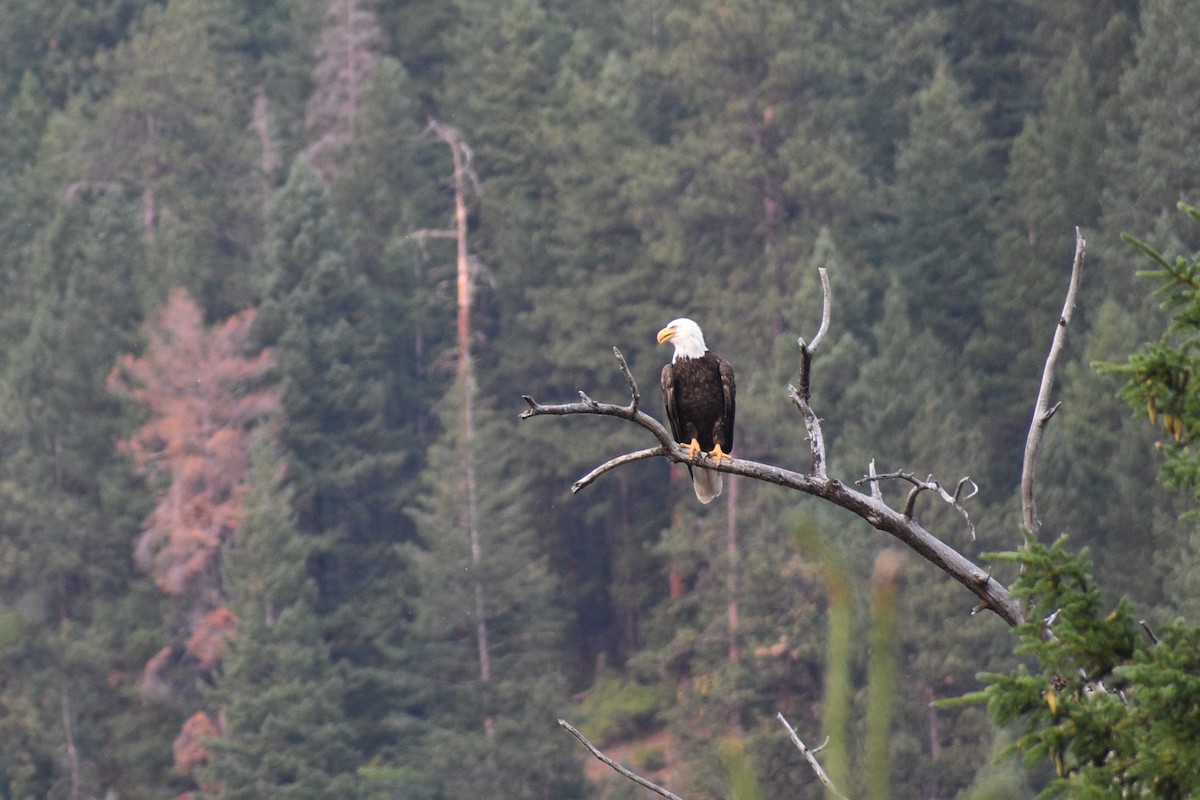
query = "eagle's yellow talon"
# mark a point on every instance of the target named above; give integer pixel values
(717, 453)
(694, 450)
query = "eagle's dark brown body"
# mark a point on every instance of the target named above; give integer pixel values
(699, 397)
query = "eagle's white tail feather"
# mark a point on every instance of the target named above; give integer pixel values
(708, 484)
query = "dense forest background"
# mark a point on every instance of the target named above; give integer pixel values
(239, 553)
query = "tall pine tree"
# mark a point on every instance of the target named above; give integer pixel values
(487, 733)
(79, 620)
(279, 696)
(346, 460)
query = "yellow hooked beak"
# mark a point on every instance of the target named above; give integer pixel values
(666, 334)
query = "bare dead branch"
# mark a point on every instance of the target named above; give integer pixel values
(927, 485)
(613, 464)
(633, 776)
(962, 482)
(811, 757)
(1042, 411)
(635, 396)
(826, 313)
(806, 349)
(802, 394)
(991, 593)
(423, 236)
(812, 425)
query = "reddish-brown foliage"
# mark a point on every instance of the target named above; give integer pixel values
(188, 747)
(202, 393)
(210, 638)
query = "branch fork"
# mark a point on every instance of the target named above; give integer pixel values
(802, 394)
(928, 485)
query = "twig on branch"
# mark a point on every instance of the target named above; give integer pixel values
(873, 479)
(927, 485)
(1042, 410)
(633, 776)
(810, 755)
(991, 593)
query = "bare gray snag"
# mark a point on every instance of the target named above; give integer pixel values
(1043, 411)
(346, 54)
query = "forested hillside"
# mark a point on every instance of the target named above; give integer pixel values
(269, 525)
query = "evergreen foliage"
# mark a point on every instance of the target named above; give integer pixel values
(78, 620)
(345, 448)
(319, 316)
(1108, 707)
(943, 208)
(631, 162)
(284, 733)
(485, 710)
(1160, 377)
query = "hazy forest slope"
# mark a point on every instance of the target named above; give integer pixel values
(239, 553)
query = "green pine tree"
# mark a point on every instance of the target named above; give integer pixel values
(278, 693)
(388, 190)
(1147, 162)
(488, 717)
(945, 182)
(170, 123)
(1050, 189)
(344, 443)
(79, 620)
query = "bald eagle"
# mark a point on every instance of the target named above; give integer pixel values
(698, 391)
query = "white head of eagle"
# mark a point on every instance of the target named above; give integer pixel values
(698, 393)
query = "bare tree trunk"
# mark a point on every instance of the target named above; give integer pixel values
(270, 161)
(466, 379)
